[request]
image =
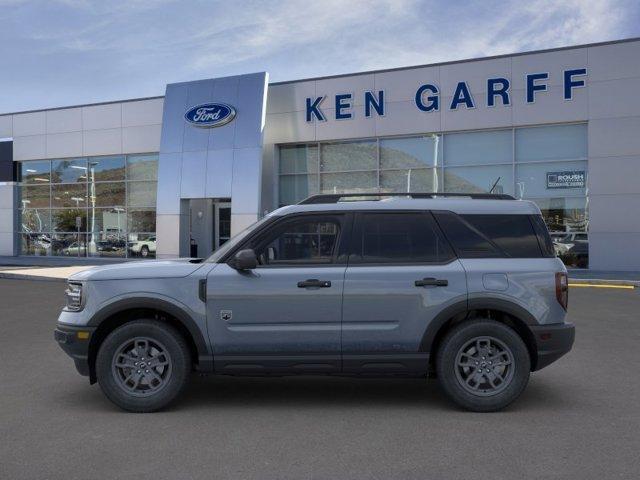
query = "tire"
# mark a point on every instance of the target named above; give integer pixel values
(155, 385)
(144, 251)
(483, 341)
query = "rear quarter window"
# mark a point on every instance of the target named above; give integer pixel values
(491, 236)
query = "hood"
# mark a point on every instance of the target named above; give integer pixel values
(140, 270)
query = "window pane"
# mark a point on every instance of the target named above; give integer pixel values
(514, 234)
(413, 152)
(65, 220)
(107, 221)
(294, 188)
(352, 182)
(467, 242)
(479, 179)
(562, 215)
(339, 157)
(69, 171)
(35, 220)
(548, 179)
(69, 245)
(142, 245)
(412, 180)
(142, 220)
(34, 196)
(307, 242)
(109, 194)
(35, 172)
(551, 143)
(142, 194)
(107, 244)
(299, 159)
(478, 148)
(107, 168)
(38, 244)
(69, 195)
(142, 167)
(403, 238)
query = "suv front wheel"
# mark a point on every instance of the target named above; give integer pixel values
(143, 365)
(483, 365)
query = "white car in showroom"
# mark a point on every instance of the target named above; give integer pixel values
(143, 248)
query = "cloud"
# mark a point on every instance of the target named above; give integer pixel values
(94, 51)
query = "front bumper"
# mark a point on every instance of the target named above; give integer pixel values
(552, 341)
(75, 342)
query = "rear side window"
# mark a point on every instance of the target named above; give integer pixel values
(490, 236)
(467, 241)
(513, 234)
(406, 238)
(544, 239)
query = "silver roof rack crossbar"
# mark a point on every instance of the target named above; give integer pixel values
(336, 197)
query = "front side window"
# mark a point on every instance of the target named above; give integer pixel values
(310, 241)
(399, 238)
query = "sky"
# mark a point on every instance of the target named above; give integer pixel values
(69, 52)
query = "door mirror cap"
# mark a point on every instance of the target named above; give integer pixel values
(245, 260)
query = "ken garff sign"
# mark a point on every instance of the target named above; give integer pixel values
(567, 179)
(427, 97)
(210, 115)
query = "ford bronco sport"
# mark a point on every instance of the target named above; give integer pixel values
(462, 287)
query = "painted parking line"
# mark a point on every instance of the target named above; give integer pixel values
(597, 285)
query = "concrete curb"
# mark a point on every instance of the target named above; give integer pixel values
(604, 281)
(22, 276)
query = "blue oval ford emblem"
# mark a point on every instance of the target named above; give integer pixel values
(210, 114)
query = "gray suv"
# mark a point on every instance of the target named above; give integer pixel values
(465, 288)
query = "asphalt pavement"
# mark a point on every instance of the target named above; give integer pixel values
(578, 418)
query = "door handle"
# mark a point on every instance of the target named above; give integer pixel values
(313, 282)
(431, 282)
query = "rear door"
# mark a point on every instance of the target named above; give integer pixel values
(401, 274)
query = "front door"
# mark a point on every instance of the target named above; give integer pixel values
(285, 314)
(401, 274)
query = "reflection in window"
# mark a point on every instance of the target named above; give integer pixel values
(413, 152)
(94, 190)
(69, 171)
(37, 172)
(142, 167)
(345, 157)
(479, 179)
(107, 169)
(305, 242)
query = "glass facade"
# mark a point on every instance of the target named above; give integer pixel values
(545, 164)
(88, 207)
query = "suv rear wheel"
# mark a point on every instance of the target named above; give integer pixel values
(483, 365)
(143, 365)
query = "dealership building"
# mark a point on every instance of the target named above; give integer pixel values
(178, 175)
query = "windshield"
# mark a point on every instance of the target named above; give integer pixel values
(235, 240)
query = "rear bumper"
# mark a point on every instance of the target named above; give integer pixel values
(552, 341)
(74, 345)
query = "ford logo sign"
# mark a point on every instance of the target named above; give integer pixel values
(210, 114)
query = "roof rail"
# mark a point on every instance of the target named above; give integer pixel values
(336, 197)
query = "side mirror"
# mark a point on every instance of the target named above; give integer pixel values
(245, 260)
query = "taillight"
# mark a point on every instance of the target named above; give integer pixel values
(562, 289)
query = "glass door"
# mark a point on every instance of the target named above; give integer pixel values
(222, 229)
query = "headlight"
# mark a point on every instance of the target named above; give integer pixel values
(73, 294)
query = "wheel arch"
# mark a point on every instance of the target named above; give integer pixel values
(123, 311)
(503, 311)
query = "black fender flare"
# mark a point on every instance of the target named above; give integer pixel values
(154, 303)
(464, 307)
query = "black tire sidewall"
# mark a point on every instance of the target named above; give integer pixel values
(446, 360)
(180, 369)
